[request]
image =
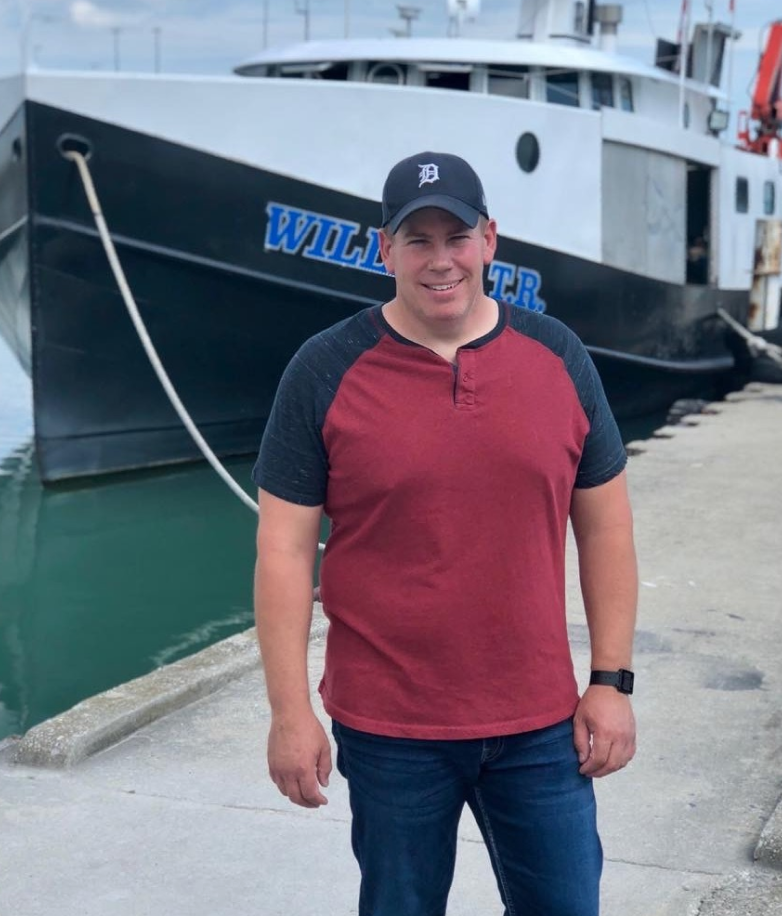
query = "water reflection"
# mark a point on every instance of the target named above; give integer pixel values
(105, 580)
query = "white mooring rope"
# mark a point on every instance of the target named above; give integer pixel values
(141, 330)
(755, 344)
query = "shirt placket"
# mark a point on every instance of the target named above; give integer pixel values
(464, 388)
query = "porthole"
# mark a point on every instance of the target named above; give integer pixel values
(390, 74)
(528, 152)
(742, 195)
(769, 198)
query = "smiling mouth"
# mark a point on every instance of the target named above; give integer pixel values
(443, 287)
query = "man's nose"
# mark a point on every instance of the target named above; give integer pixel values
(441, 258)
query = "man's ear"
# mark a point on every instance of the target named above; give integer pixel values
(489, 240)
(386, 241)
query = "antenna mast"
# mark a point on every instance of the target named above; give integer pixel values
(408, 14)
(458, 12)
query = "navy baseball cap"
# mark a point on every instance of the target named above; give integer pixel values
(433, 180)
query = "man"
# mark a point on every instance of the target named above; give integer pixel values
(448, 437)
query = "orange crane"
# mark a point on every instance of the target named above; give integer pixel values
(766, 100)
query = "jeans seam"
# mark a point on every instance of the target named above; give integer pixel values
(495, 853)
(488, 754)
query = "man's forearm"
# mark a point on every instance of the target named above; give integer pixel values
(603, 527)
(609, 585)
(283, 616)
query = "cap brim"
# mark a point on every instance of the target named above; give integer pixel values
(467, 214)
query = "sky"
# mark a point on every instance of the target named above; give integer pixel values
(211, 36)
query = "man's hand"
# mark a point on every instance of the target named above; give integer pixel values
(603, 731)
(299, 757)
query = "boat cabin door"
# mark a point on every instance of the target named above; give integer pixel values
(764, 298)
(699, 259)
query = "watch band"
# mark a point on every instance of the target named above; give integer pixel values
(622, 679)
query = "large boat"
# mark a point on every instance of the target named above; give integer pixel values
(244, 211)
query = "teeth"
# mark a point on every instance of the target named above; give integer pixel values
(443, 288)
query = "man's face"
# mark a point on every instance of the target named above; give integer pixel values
(438, 263)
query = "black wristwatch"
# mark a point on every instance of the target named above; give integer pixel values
(622, 679)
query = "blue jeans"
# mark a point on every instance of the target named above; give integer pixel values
(534, 809)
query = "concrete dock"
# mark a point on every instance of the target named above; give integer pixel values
(154, 798)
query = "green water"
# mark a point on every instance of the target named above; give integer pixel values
(105, 580)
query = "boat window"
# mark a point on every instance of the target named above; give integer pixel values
(308, 71)
(625, 93)
(510, 81)
(562, 87)
(383, 72)
(602, 90)
(742, 195)
(579, 18)
(528, 152)
(446, 76)
(336, 72)
(769, 198)
(447, 80)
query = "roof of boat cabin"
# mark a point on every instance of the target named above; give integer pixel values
(470, 51)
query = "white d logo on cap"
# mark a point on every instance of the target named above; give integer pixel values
(429, 174)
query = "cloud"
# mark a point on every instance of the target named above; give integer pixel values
(84, 13)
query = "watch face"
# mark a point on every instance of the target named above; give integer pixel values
(625, 681)
(622, 679)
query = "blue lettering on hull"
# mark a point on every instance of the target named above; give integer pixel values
(517, 285)
(317, 237)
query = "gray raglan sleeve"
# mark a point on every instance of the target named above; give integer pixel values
(604, 455)
(292, 461)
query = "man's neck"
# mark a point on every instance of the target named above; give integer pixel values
(445, 339)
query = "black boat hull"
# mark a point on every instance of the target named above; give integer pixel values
(228, 295)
